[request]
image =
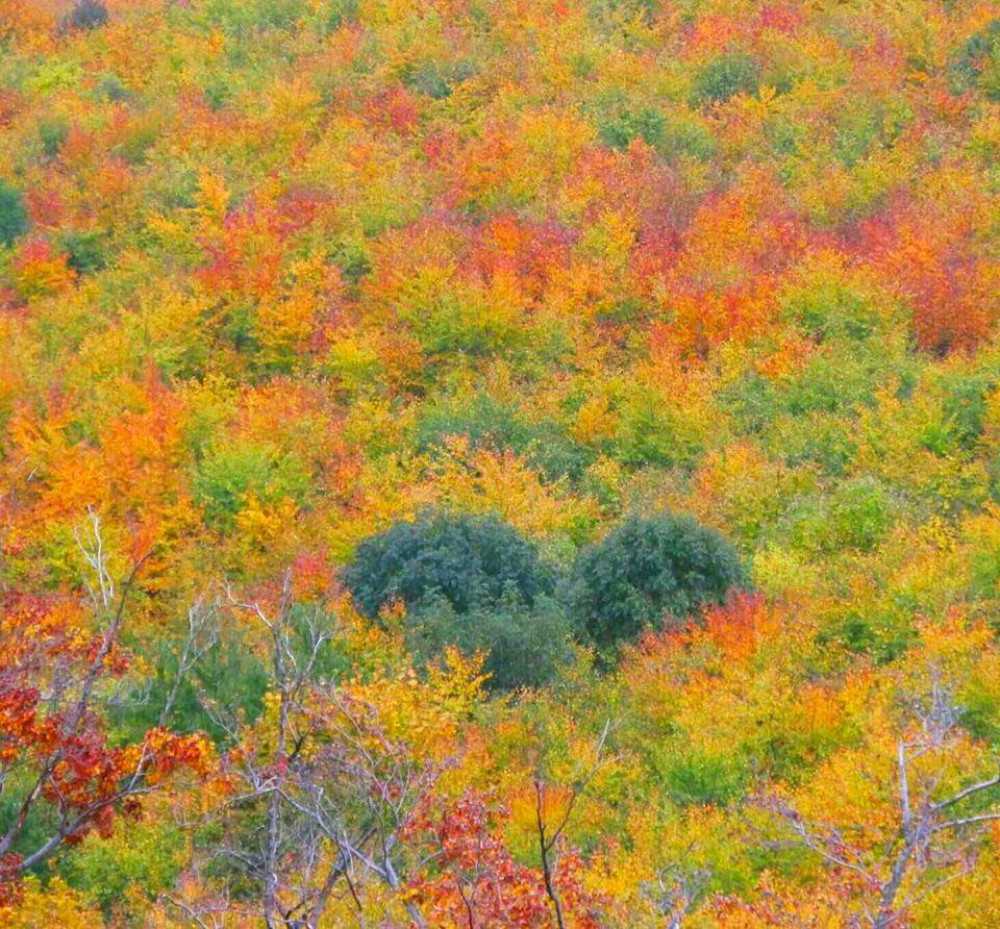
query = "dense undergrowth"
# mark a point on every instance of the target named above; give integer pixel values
(499, 463)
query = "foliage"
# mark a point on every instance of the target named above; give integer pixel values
(468, 561)
(140, 862)
(13, 214)
(341, 341)
(87, 14)
(228, 480)
(487, 424)
(524, 643)
(65, 779)
(727, 75)
(475, 871)
(648, 572)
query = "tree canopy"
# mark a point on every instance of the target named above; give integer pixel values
(515, 463)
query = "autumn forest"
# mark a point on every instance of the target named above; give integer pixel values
(500, 464)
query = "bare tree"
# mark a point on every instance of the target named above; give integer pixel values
(213, 913)
(202, 636)
(322, 797)
(676, 892)
(936, 839)
(550, 833)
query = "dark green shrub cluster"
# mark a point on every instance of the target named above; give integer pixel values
(13, 214)
(467, 581)
(86, 15)
(475, 583)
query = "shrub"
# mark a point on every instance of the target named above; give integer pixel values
(883, 633)
(230, 679)
(341, 13)
(435, 80)
(703, 779)
(243, 19)
(52, 133)
(113, 89)
(653, 433)
(469, 561)
(857, 516)
(753, 400)
(460, 318)
(497, 427)
(814, 438)
(838, 378)
(827, 307)
(135, 146)
(966, 402)
(228, 478)
(86, 250)
(863, 127)
(610, 14)
(861, 515)
(646, 124)
(725, 77)
(685, 134)
(86, 15)
(468, 581)
(524, 643)
(13, 214)
(978, 63)
(647, 570)
(142, 860)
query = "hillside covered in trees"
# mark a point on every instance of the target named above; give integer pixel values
(470, 464)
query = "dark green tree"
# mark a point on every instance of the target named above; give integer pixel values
(726, 76)
(87, 15)
(647, 571)
(469, 561)
(468, 581)
(13, 214)
(524, 644)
